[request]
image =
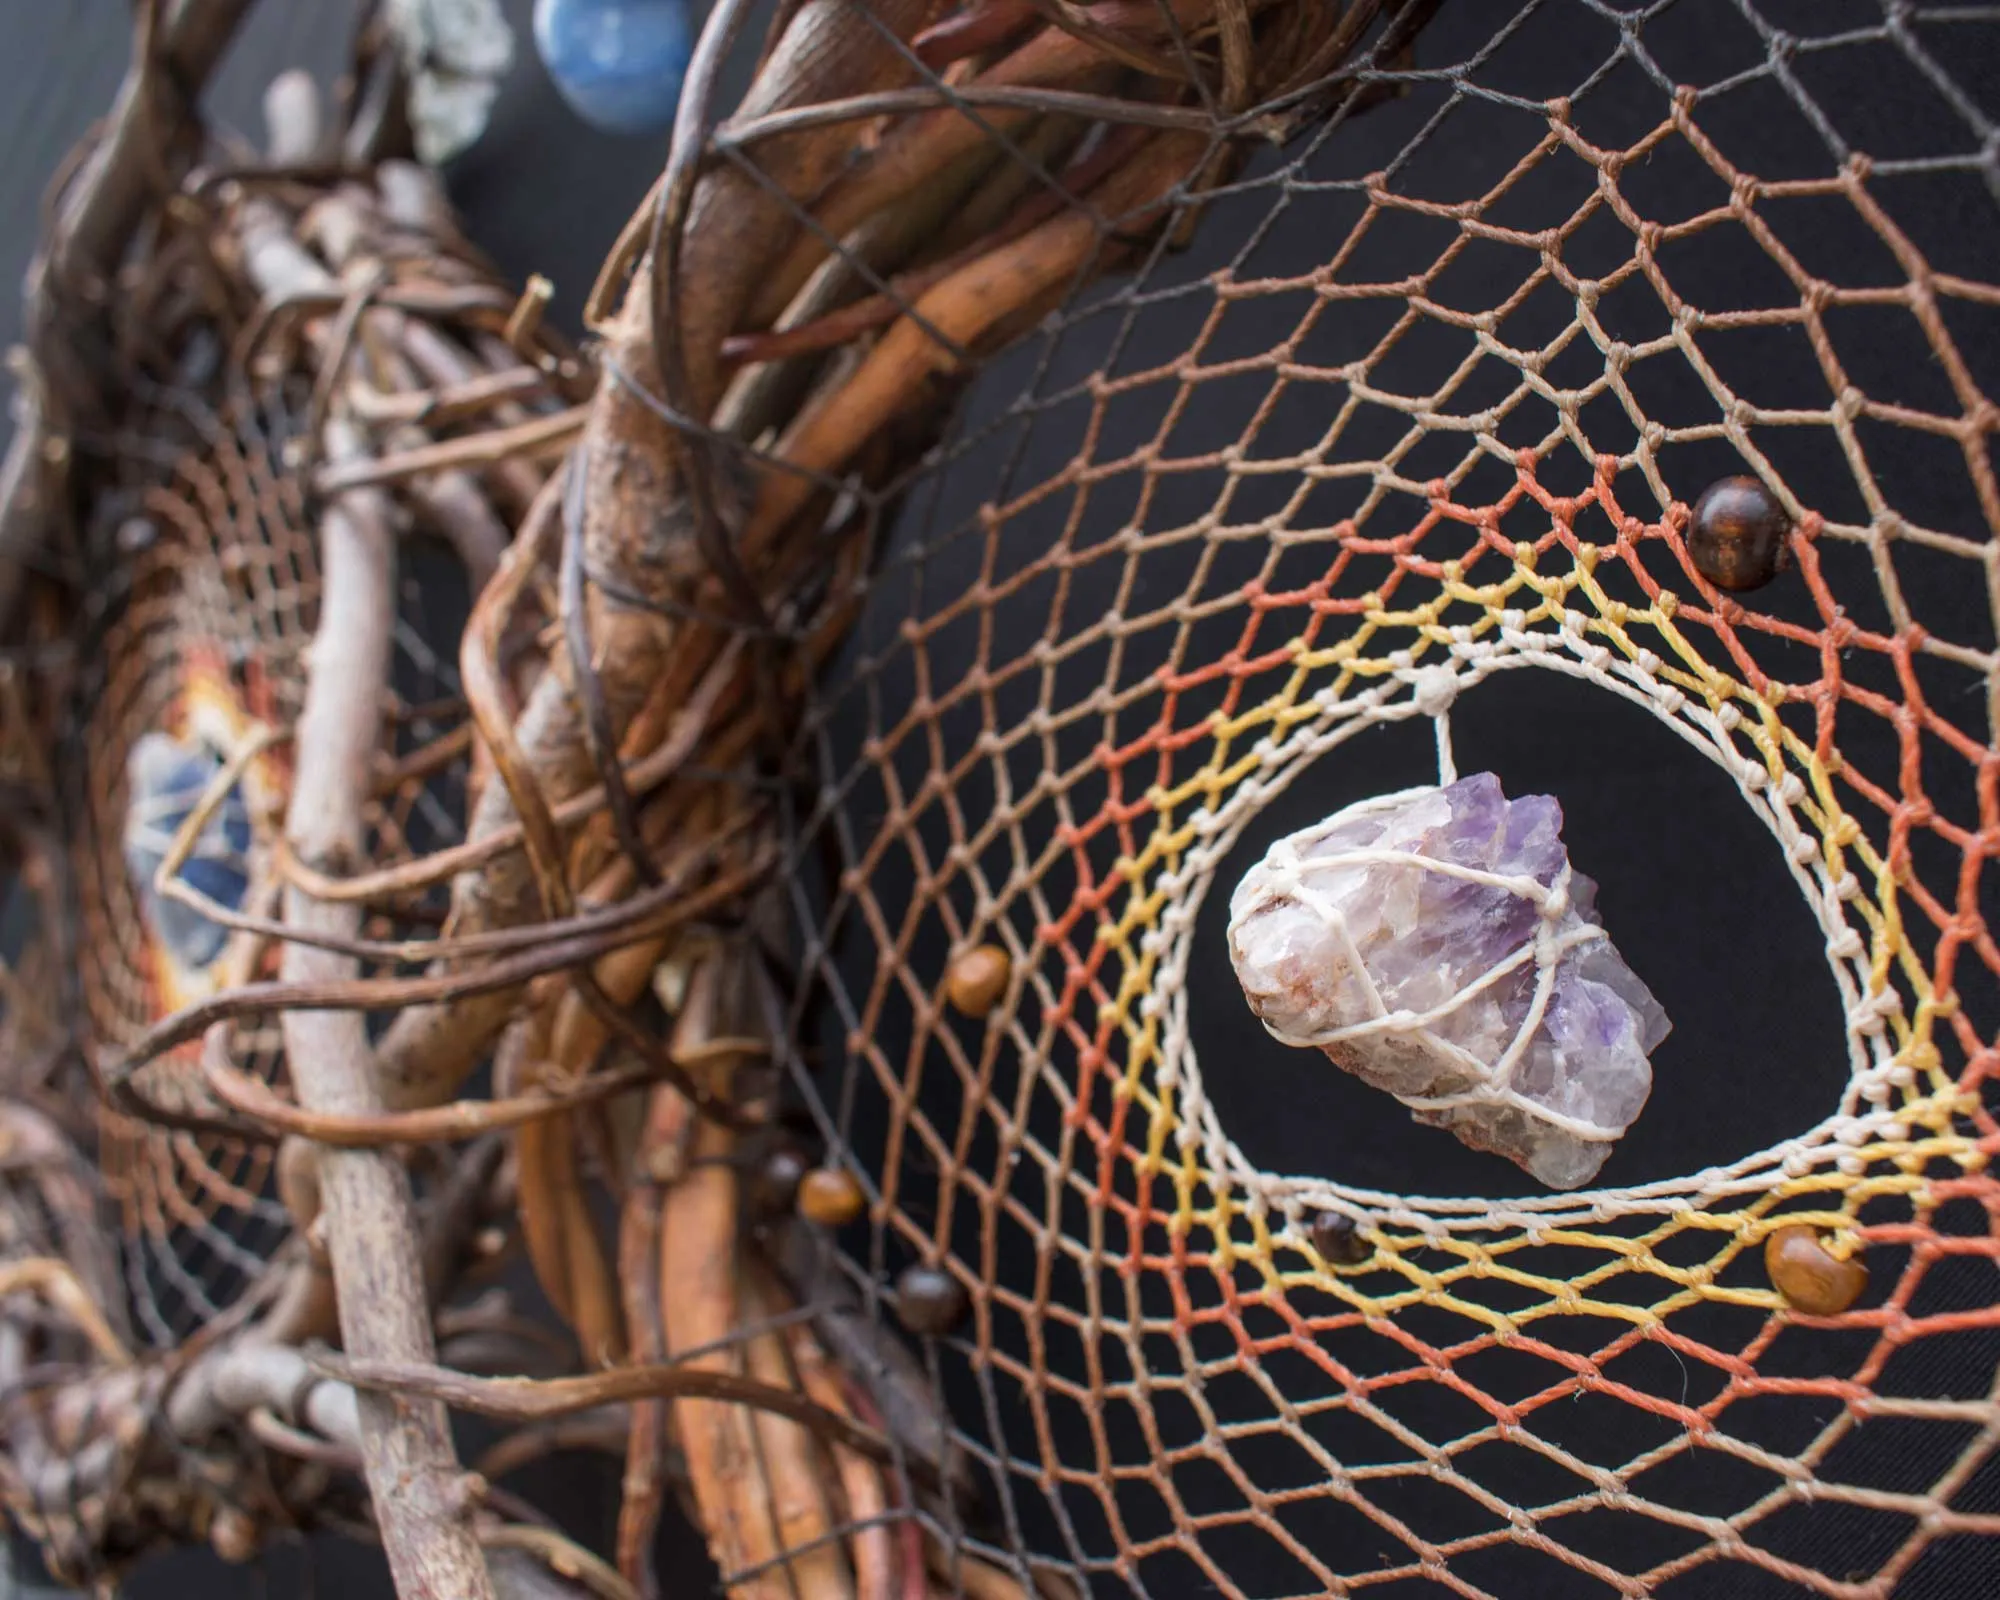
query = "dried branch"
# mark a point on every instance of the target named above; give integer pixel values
(920, 145)
(870, 1546)
(461, 1119)
(556, 1219)
(651, 529)
(370, 994)
(605, 1429)
(564, 1557)
(372, 1238)
(879, 310)
(963, 307)
(539, 1399)
(1063, 102)
(801, 1518)
(701, 1312)
(668, 1120)
(525, 441)
(56, 1283)
(971, 31)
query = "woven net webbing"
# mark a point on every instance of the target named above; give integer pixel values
(1385, 447)
(1426, 400)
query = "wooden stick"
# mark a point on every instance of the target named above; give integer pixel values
(966, 33)
(964, 306)
(539, 1399)
(924, 142)
(555, 1217)
(871, 1546)
(56, 1283)
(460, 1119)
(700, 1312)
(451, 402)
(563, 1556)
(879, 310)
(674, 906)
(667, 1123)
(412, 1470)
(534, 439)
(801, 1519)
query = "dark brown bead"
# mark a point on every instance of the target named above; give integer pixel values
(1739, 536)
(831, 1197)
(929, 1300)
(977, 979)
(774, 1184)
(1338, 1240)
(1810, 1276)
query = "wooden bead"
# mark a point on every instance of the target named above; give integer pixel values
(929, 1300)
(1810, 1276)
(1338, 1240)
(232, 1535)
(978, 978)
(1739, 536)
(774, 1183)
(831, 1197)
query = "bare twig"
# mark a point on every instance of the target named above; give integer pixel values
(537, 1399)
(413, 1473)
(668, 1118)
(34, 1146)
(55, 1282)
(367, 994)
(460, 1119)
(564, 1557)
(1106, 108)
(539, 436)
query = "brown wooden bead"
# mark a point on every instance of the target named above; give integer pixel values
(1810, 1276)
(831, 1197)
(1739, 536)
(232, 1535)
(1338, 1240)
(929, 1300)
(774, 1184)
(977, 979)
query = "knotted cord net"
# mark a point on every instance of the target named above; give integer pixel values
(1366, 381)
(1441, 385)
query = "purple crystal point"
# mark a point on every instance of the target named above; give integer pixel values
(1437, 945)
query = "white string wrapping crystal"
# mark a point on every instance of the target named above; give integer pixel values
(1393, 1047)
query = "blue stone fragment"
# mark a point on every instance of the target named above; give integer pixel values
(618, 63)
(166, 779)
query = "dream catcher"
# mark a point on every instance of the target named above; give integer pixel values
(1207, 813)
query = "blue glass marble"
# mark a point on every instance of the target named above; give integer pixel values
(166, 779)
(618, 63)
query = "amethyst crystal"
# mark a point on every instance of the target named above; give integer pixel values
(1437, 944)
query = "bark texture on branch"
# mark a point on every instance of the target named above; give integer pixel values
(638, 527)
(421, 1505)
